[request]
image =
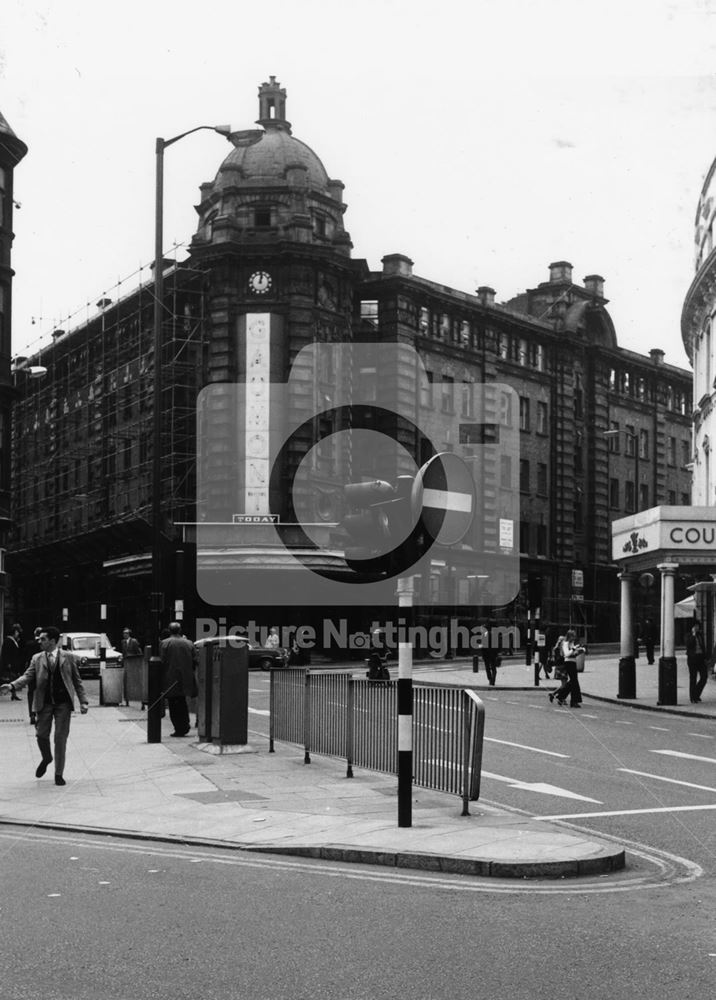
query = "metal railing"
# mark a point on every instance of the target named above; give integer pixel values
(337, 715)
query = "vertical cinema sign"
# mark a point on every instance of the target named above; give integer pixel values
(256, 417)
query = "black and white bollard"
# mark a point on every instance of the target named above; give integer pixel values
(405, 705)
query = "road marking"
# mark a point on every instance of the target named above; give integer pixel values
(538, 786)
(686, 756)
(661, 729)
(672, 781)
(701, 736)
(627, 812)
(585, 716)
(623, 723)
(521, 746)
(260, 711)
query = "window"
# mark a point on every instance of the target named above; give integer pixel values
(506, 409)
(524, 413)
(671, 498)
(629, 495)
(541, 539)
(614, 438)
(643, 496)
(614, 494)
(524, 536)
(424, 320)
(369, 312)
(447, 404)
(685, 452)
(542, 478)
(630, 444)
(671, 451)
(426, 388)
(537, 359)
(643, 443)
(578, 454)
(445, 326)
(506, 471)
(262, 218)
(320, 226)
(465, 333)
(685, 500)
(522, 351)
(577, 515)
(524, 475)
(503, 346)
(578, 397)
(542, 427)
(467, 404)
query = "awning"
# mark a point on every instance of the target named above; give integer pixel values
(685, 608)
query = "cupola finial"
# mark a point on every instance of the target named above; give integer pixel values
(272, 106)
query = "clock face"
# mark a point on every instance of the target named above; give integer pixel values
(260, 282)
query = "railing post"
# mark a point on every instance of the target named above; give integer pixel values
(405, 707)
(272, 706)
(307, 719)
(350, 709)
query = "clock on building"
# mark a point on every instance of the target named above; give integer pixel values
(260, 282)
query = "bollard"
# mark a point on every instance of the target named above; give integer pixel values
(102, 661)
(155, 698)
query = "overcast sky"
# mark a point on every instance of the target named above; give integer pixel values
(482, 138)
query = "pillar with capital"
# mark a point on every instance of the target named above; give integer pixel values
(667, 660)
(627, 664)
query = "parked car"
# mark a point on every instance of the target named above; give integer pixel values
(86, 647)
(260, 657)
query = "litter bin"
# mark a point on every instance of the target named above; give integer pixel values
(111, 683)
(135, 679)
(579, 660)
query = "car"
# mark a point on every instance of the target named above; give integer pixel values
(260, 657)
(86, 647)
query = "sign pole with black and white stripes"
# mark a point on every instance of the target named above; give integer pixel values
(405, 705)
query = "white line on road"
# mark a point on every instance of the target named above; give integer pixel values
(521, 746)
(259, 711)
(672, 781)
(538, 786)
(620, 723)
(660, 728)
(701, 736)
(626, 812)
(686, 756)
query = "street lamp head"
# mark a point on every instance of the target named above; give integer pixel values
(35, 371)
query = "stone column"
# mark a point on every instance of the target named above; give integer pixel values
(667, 660)
(627, 665)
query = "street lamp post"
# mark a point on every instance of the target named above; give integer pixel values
(154, 703)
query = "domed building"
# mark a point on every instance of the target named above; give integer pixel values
(266, 382)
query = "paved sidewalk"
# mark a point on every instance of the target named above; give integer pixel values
(117, 782)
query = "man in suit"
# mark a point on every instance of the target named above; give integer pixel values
(56, 677)
(180, 660)
(31, 647)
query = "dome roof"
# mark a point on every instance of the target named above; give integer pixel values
(268, 157)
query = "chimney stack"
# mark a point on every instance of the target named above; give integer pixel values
(397, 263)
(560, 271)
(656, 355)
(486, 295)
(594, 284)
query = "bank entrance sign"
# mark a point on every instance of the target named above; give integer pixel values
(663, 533)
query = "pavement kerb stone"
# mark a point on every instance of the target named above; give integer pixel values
(611, 860)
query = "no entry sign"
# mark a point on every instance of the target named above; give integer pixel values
(443, 496)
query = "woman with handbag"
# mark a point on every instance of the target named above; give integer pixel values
(569, 650)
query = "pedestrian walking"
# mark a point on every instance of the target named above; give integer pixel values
(11, 663)
(56, 677)
(568, 650)
(490, 657)
(696, 662)
(180, 660)
(130, 645)
(29, 649)
(648, 636)
(272, 640)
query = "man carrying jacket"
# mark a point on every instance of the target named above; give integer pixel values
(56, 677)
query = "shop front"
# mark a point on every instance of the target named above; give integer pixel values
(672, 541)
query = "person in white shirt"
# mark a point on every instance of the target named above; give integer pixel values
(570, 685)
